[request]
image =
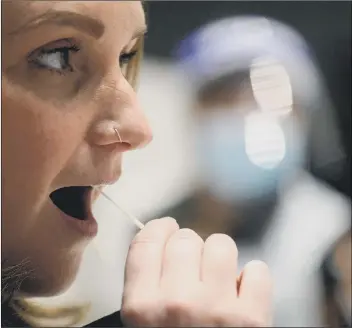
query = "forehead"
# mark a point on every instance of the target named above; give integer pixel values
(116, 16)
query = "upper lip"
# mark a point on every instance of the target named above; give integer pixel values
(99, 181)
(98, 184)
(94, 185)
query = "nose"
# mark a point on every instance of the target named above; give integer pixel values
(120, 118)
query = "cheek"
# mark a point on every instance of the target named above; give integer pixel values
(37, 141)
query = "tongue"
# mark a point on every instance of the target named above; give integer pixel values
(71, 200)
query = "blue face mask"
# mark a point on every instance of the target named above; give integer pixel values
(226, 169)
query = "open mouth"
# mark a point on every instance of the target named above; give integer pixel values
(73, 201)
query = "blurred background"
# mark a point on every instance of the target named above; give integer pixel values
(250, 103)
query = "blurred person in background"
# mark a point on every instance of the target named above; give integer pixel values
(336, 272)
(261, 115)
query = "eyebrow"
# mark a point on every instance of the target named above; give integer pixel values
(88, 25)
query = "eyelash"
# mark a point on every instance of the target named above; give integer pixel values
(125, 58)
(65, 52)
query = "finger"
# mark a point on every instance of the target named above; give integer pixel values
(219, 263)
(144, 260)
(182, 258)
(255, 290)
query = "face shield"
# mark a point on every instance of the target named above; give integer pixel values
(247, 149)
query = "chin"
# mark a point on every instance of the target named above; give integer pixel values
(51, 279)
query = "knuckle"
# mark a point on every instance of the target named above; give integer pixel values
(221, 317)
(139, 311)
(250, 320)
(177, 306)
(227, 316)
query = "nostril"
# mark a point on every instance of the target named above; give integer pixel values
(124, 146)
(119, 147)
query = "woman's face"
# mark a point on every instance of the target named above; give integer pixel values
(63, 93)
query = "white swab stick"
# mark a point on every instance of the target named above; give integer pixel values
(135, 221)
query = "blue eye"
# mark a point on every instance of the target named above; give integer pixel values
(57, 59)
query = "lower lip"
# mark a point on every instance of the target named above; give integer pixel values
(88, 227)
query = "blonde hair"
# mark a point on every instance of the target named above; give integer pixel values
(33, 313)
